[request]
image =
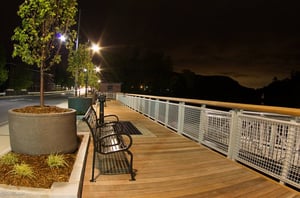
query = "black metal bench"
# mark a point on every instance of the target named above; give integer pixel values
(109, 139)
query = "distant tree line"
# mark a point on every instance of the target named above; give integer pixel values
(144, 71)
(3, 69)
(150, 72)
(283, 92)
(139, 70)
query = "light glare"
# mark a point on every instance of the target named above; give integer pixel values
(95, 47)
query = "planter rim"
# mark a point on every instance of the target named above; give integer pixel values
(80, 97)
(41, 114)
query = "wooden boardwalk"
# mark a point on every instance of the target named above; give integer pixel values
(170, 165)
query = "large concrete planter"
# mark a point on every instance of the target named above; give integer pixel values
(80, 104)
(44, 133)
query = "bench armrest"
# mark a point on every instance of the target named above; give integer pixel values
(108, 124)
(117, 142)
(108, 119)
(111, 115)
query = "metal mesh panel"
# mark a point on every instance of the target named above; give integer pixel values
(191, 122)
(146, 107)
(129, 101)
(162, 112)
(264, 144)
(141, 105)
(173, 116)
(152, 109)
(218, 130)
(137, 104)
(293, 164)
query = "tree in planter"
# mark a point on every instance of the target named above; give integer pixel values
(43, 130)
(80, 62)
(82, 69)
(36, 40)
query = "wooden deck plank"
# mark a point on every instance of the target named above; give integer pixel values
(170, 165)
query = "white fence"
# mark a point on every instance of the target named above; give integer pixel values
(267, 142)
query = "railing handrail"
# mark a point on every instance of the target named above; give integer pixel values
(229, 105)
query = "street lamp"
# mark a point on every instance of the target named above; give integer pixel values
(62, 38)
(95, 47)
(97, 69)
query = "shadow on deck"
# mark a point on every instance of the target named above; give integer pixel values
(170, 165)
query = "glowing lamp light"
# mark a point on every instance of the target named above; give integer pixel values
(62, 37)
(97, 69)
(95, 47)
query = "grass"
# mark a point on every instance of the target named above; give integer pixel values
(22, 170)
(9, 159)
(56, 161)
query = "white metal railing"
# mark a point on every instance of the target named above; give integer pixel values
(255, 135)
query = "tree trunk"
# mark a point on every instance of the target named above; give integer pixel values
(76, 81)
(41, 86)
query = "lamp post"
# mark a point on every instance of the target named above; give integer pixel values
(63, 39)
(87, 52)
(95, 48)
(86, 81)
(76, 48)
(98, 70)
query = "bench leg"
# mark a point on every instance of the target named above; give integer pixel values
(93, 167)
(132, 173)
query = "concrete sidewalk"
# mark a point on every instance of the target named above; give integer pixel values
(4, 134)
(4, 139)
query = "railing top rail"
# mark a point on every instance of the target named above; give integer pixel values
(229, 105)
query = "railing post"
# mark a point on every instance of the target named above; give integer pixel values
(156, 109)
(139, 104)
(149, 107)
(233, 140)
(167, 113)
(143, 106)
(203, 123)
(132, 102)
(181, 107)
(135, 103)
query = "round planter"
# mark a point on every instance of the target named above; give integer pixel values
(80, 104)
(46, 133)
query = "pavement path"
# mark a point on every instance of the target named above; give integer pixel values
(4, 139)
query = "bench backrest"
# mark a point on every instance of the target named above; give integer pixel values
(90, 118)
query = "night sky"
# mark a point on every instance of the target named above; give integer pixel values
(252, 41)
